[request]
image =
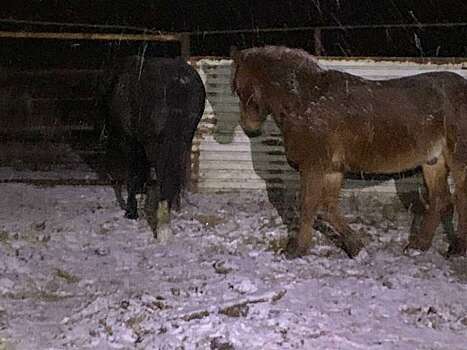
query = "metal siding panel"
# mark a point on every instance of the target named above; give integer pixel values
(227, 160)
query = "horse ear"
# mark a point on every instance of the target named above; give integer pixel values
(234, 53)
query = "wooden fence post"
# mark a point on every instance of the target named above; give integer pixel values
(185, 45)
(317, 42)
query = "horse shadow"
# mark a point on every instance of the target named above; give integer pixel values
(268, 162)
(281, 185)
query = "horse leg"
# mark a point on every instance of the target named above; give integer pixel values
(132, 204)
(347, 239)
(137, 166)
(458, 245)
(117, 188)
(157, 212)
(311, 184)
(185, 181)
(416, 206)
(413, 202)
(438, 205)
(447, 213)
(151, 204)
(113, 168)
(157, 206)
(176, 202)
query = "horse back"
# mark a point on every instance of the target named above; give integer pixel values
(377, 126)
(149, 92)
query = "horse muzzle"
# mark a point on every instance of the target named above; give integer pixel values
(252, 132)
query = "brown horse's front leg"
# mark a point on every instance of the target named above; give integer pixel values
(311, 183)
(347, 239)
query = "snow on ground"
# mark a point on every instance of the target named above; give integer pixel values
(76, 274)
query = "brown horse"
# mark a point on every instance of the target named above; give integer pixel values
(334, 122)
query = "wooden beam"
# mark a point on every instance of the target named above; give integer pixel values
(90, 36)
(108, 27)
(185, 45)
(340, 27)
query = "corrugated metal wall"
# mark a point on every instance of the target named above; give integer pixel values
(225, 159)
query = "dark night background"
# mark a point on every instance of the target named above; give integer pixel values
(199, 16)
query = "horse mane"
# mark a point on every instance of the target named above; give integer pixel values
(281, 55)
(279, 62)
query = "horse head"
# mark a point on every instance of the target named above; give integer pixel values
(268, 78)
(253, 111)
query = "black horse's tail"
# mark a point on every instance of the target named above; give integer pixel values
(102, 103)
(196, 108)
(103, 99)
(170, 160)
(185, 109)
(174, 160)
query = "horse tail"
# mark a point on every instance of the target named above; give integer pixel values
(185, 111)
(171, 151)
(455, 123)
(194, 110)
(104, 90)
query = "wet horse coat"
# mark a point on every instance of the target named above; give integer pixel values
(153, 107)
(334, 122)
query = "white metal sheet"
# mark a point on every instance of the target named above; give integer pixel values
(227, 160)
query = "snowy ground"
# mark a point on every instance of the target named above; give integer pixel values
(76, 274)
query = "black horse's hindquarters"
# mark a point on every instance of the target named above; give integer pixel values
(153, 112)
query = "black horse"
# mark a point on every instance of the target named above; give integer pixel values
(152, 108)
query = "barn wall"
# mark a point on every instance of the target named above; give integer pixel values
(49, 120)
(48, 99)
(48, 85)
(225, 159)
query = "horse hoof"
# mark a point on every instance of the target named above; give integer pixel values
(411, 252)
(456, 249)
(417, 245)
(352, 246)
(294, 250)
(163, 234)
(131, 216)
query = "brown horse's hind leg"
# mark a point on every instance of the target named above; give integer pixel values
(458, 245)
(347, 239)
(311, 184)
(438, 206)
